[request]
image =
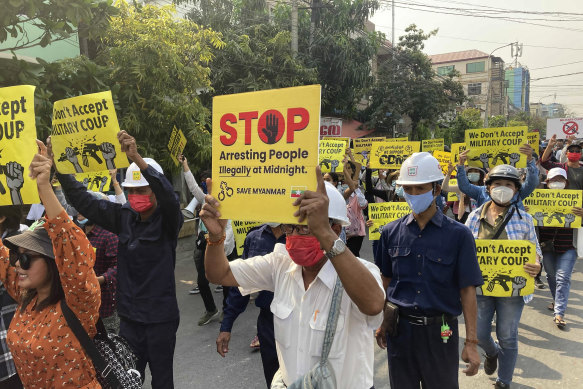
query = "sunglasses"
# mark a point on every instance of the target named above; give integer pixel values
(23, 259)
(289, 229)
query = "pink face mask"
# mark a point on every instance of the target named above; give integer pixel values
(304, 250)
(140, 202)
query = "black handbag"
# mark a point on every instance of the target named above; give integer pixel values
(112, 356)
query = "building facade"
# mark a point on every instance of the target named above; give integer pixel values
(482, 77)
(518, 88)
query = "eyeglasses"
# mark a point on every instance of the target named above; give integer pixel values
(289, 229)
(23, 259)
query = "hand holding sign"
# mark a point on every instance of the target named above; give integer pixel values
(128, 144)
(40, 167)
(527, 150)
(210, 215)
(314, 207)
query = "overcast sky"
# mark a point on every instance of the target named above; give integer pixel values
(563, 42)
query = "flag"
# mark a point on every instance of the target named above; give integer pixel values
(296, 191)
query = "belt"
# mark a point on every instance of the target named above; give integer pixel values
(428, 320)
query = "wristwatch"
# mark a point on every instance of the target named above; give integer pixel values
(337, 248)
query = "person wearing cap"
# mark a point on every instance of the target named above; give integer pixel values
(572, 167)
(501, 218)
(559, 252)
(51, 262)
(10, 216)
(480, 193)
(259, 241)
(430, 282)
(147, 227)
(302, 275)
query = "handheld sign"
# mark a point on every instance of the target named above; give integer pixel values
(431, 145)
(490, 147)
(84, 134)
(534, 140)
(553, 207)
(391, 155)
(17, 145)
(456, 150)
(362, 147)
(240, 230)
(452, 196)
(382, 214)
(95, 181)
(176, 144)
(444, 158)
(502, 265)
(265, 152)
(331, 155)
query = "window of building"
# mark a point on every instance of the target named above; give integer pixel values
(474, 89)
(475, 67)
(445, 70)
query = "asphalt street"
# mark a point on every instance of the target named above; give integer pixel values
(548, 357)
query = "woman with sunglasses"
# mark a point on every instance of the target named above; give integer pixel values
(52, 261)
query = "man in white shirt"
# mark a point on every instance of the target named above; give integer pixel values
(302, 275)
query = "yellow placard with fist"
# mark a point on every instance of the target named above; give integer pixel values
(502, 265)
(331, 155)
(17, 145)
(84, 134)
(240, 231)
(95, 181)
(554, 207)
(490, 147)
(384, 213)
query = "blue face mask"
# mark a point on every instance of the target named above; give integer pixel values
(399, 191)
(419, 203)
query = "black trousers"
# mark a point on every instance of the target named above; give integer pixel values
(203, 283)
(266, 336)
(417, 356)
(154, 345)
(354, 243)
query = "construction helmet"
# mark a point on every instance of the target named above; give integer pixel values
(504, 172)
(134, 176)
(420, 168)
(336, 205)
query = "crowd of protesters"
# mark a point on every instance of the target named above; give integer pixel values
(321, 306)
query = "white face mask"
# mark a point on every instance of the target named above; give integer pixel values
(501, 194)
(556, 185)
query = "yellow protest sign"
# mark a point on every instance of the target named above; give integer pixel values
(490, 147)
(362, 146)
(431, 145)
(502, 265)
(533, 140)
(265, 152)
(86, 127)
(402, 139)
(95, 181)
(456, 150)
(346, 140)
(451, 195)
(390, 155)
(176, 144)
(330, 156)
(553, 207)
(17, 145)
(384, 213)
(240, 230)
(444, 159)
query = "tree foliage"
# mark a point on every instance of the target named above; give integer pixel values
(455, 131)
(57, 19)
(407, 85)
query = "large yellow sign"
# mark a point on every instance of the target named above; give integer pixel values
(17, 145)
(431, 145)
(331, 155)
(95, 181)
(456, 150)
(382, 214)
(240, 230)
(265, 152)
(502, 265)
(362, 146)
(390, 155)
(553, 207)
(176, 144)
(84, 134)
(490, 147)
(534, 140)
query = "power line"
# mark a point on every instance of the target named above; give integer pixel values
(558, 75)
(555, 66)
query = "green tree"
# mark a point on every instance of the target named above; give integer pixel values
(497, 121)
(407, 85)
(455, 131)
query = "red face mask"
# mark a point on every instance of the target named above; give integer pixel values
(304, 249)
(140, 202)
(573, 157)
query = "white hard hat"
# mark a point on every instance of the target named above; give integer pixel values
(134, 176)
(556, 171)
(336, 205)
(420, 168)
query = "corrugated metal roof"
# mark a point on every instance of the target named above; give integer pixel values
(457, 56)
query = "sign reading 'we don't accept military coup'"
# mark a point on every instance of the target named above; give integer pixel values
(265, 152)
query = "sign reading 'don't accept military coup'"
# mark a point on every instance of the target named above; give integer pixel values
(265, 152)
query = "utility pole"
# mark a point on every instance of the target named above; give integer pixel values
(393, 26)
(294, 27)
(487, 113)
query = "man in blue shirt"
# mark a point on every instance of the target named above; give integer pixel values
(430, 270)
(259, 241)
(147, 226)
